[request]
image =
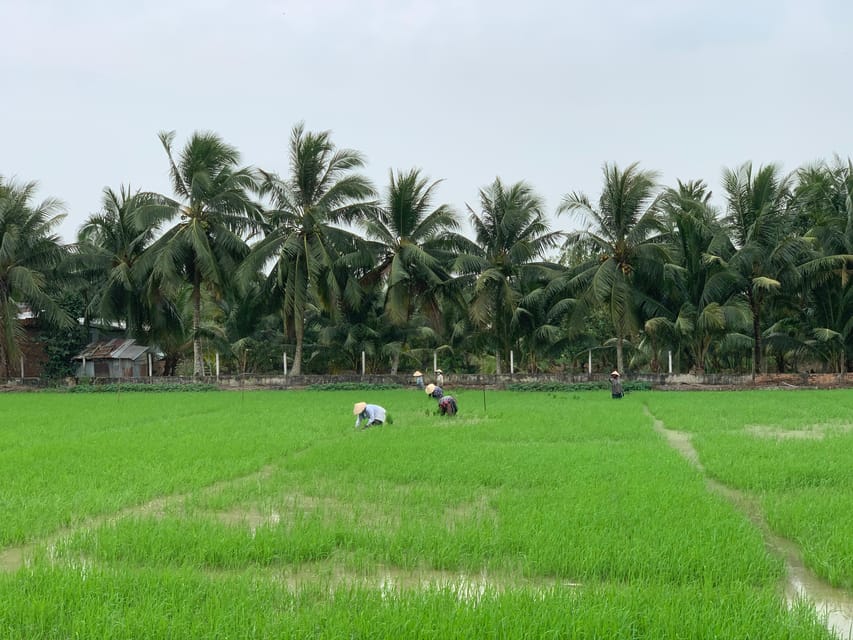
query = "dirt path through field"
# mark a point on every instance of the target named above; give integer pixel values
(801, 582)
(13, 558)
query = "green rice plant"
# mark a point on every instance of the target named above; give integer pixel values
(745, 461)
(792, 450)
(88, 602)
(549, 498)
(65, 458)
(819, 520)
(704, 411)
(266, 515)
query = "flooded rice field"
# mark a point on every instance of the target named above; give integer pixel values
(269, 516)
(833, 604)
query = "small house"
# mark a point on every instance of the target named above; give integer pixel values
(116, 358)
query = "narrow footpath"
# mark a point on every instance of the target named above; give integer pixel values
(800, 582)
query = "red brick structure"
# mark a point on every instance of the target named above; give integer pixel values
(32, 350)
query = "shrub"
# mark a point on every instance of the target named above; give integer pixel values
(142, 388)
(354, 386)
(627, 386)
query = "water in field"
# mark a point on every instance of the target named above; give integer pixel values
(392, 580)
(836, 605)
(12, 559)
(801, 584)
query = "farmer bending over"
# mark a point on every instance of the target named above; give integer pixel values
(371, 414)
(434, 391)
(446, 404)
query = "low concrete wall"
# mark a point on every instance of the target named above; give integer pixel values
(502, 381)
(493, 381)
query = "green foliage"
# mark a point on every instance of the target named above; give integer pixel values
(513, 236)
(30, 255)
(624, 242)
(417, 243)
(110, 246)
(155, 387)
(655, 270)
(210, 217)
(627, 385)
(61, 344)
(354, 386)
(303, 240)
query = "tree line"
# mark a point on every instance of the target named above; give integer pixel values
(317, 264)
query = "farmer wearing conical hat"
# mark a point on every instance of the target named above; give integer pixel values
(446, 404)
(434, 391)
(615, 385)
(419, 379)
(372, 414)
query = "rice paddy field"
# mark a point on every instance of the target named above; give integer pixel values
(265, 514)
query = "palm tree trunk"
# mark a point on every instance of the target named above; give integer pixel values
(756, 352)
(299, 330)
(704, 345)
(7, 333)
(395, 363)
(620, 362)
(198, 363)
(754, 306)
(4, 370)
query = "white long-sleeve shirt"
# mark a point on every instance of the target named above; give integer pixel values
(372, 413)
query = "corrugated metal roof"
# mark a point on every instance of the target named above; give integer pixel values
(115, 349)
(129, 352)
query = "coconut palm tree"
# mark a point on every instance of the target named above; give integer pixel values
(768, 250)
(110, 245)
(823, 199)
(29, 255)
(700, 292)
(513, 237)
(625, 235)
(212, 213)
(302, 238)
(415, 244)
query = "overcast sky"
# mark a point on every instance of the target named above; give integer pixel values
(541, 91)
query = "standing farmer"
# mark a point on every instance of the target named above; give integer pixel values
(615, 385)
